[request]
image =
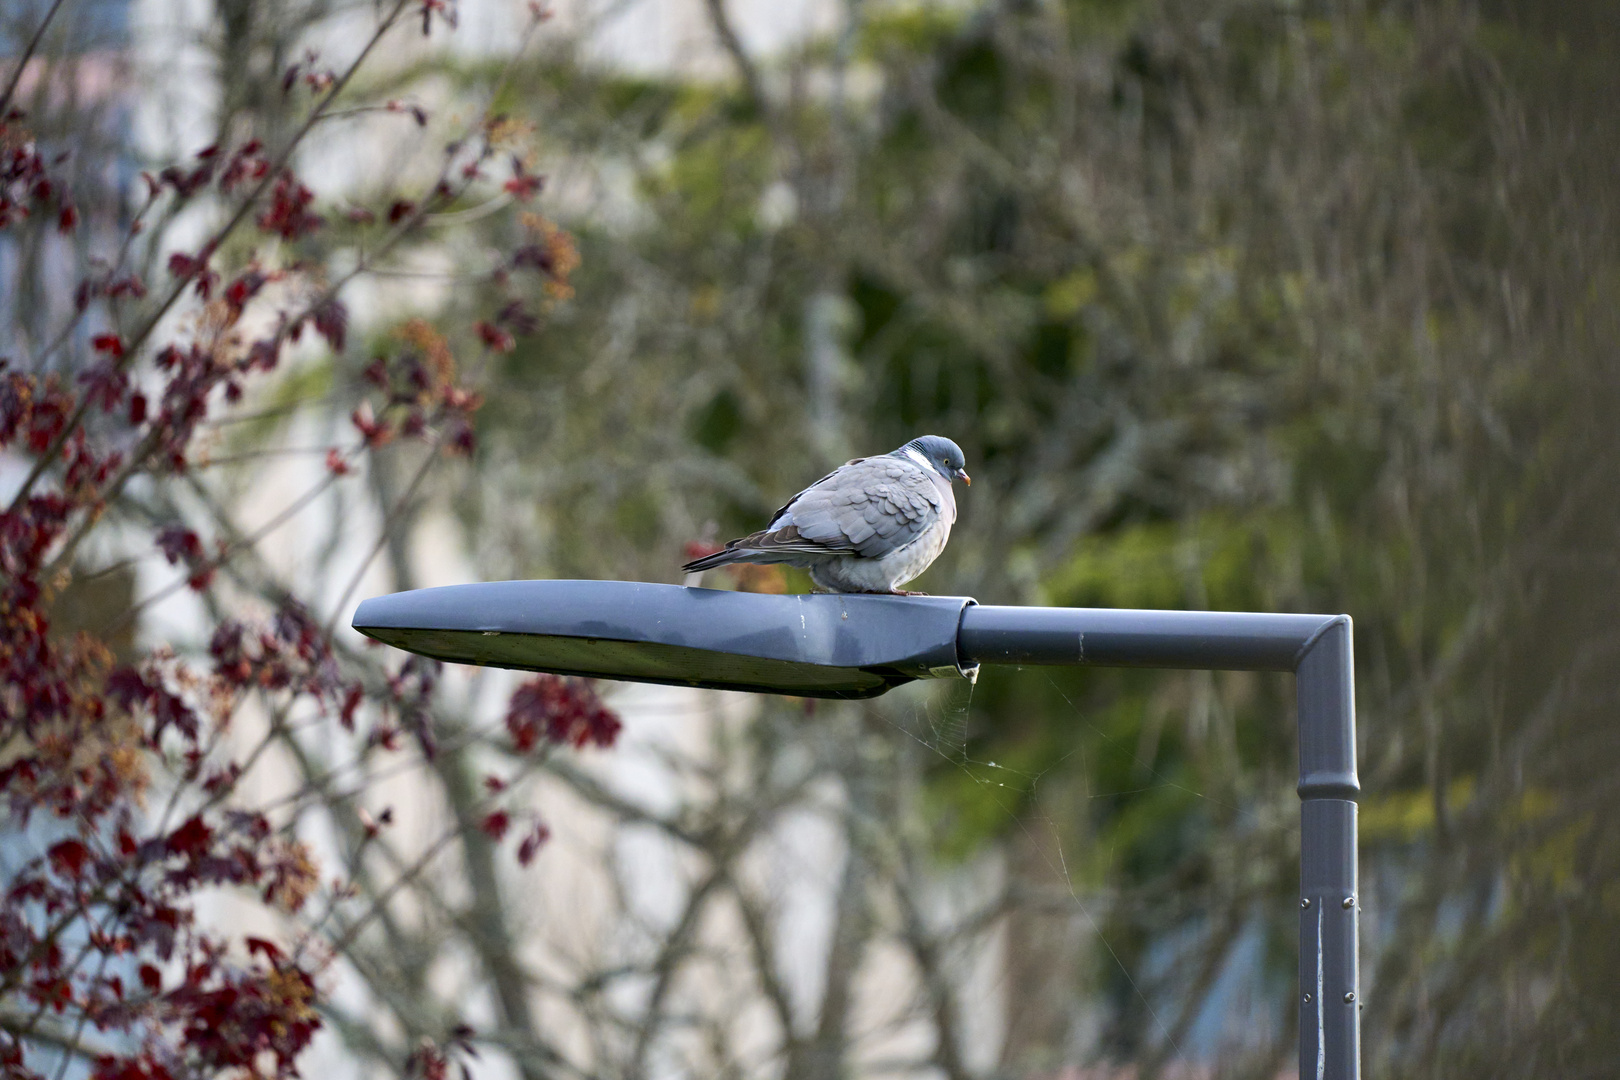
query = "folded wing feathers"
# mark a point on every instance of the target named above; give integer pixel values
(869, 507)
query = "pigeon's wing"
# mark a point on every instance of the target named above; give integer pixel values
(777, 518)
(869, 507)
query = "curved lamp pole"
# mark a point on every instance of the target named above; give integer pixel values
(862, 646)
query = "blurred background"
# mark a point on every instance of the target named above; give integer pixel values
(1235, 304)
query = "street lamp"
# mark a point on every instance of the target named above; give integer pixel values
(858, 646)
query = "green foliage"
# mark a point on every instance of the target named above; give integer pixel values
(917, 30)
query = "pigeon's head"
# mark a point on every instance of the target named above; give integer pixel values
(940, 454)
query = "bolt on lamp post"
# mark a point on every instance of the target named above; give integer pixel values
(857, 646)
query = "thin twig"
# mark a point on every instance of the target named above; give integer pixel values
(272, 174)
(27, 55)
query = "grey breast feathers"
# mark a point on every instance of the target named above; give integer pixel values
(869, 507)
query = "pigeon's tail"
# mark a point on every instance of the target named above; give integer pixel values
(720, 558)
(761, 548)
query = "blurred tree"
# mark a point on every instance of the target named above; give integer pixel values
(142, 309)
(1233, 305)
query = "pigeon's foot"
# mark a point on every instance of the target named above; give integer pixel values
(876, 592)
(864, 592)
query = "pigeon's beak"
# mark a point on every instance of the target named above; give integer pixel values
(961, 474)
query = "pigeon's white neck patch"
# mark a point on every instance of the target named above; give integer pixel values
(916, 456)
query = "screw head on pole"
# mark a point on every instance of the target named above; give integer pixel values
(1349, 902)
(1350, 997)
(1307, 999)
(1305, 903)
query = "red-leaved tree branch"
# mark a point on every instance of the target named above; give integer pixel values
(122, 770)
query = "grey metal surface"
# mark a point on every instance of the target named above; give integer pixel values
(1122, 637)
(862, 646)
(1327, 715)
(808, 645)
(1330, 905)
(1330, 990)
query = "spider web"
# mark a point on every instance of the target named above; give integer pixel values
(941, 725)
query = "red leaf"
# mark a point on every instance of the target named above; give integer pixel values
(151, 978)
(376, 373)
(268, 949)
(494, 338)
(495, 824)
(67, 219)
(244, 288)
(427, 1061)
(335, 463)
(186, 267)
(376, 432)
(105, 384)
(177, 543)
(108, 343)
(182, 265)
(462, 440)
(69, 857)
(534, 257)
(524, 185)
(332, 323)
(532, 843)
(131, 285)
(245, 165)
(351, 702)
(559, 710)
(191, 839)
(288, 214)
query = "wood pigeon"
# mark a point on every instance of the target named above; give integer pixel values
(867, 527)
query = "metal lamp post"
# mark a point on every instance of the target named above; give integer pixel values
(862, 646)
